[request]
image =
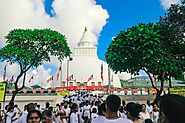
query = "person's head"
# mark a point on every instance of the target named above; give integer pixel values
(34, 116)
(65, 104)
(30, 107)
(155, 107)
(171, 108)
(148, 121)
(143, 106)
(74, 107)
(46, 116)
(148, 102)
(47, 104)
(132, 110)
(113, 103)
(123, 103)
(94, 110)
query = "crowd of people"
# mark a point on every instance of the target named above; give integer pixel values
(81, 108)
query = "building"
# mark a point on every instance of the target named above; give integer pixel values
(85, 67)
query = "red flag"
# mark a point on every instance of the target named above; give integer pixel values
(102, 71)
(58, 73)
(11, 80)
(90, 78)
(30, 79)
(4, 75)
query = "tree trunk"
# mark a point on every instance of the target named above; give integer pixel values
(13, 97)
(170, 82)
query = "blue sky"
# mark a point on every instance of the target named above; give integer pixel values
(125, 14)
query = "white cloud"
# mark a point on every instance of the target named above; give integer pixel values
(71, 18)
(166, 3)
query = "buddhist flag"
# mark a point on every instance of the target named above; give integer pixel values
(12, 79)
(50, 79)
(30, 79)
(70, 78)
(58, 73)
(102, 71)
(4, 75)
(90, 78)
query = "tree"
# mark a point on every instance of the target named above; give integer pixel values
(135, 49)
(173, 37)
(29, 48)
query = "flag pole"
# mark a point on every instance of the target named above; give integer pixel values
(109, 82)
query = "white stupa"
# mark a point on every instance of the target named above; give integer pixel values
(86, 63)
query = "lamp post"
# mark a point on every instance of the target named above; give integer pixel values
(70, 59)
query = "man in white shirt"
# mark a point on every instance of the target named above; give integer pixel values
(113, 103)
(149, 108)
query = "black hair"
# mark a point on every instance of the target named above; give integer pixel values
(94, 110)
(113, 103)
(173, 106)
(133, 109)
(47, 113)
(148, 121)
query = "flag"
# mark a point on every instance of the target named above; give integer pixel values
(11, 80)
(50, 79)
(90, 78)
(102, 71)
(4, 75)
(30, 79)
(70, 78)
(155, 78)
(58, 73)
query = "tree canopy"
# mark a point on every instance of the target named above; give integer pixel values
(30, 48)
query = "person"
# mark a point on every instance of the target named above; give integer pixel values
(155, 114)
(10, 114)
(149, 108)
(86, 112)
(47, 105)
(132, 112)
(121, 112)
(27, 108)
(171, 108)
(74, 117)
(144, 114)
(47, 117)
(94, 113)
(34, 116)
(101, 114)
(112, 104)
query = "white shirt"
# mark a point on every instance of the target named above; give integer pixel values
(144, 116)
(119, 120)
(99, 119)
(86, 110)
(94, 115)
(9, 117)
(149, 108)
(23, 118)
(73, 118)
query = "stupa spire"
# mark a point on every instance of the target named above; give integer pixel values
(85, 40)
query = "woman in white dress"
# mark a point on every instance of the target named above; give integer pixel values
(144, 114)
